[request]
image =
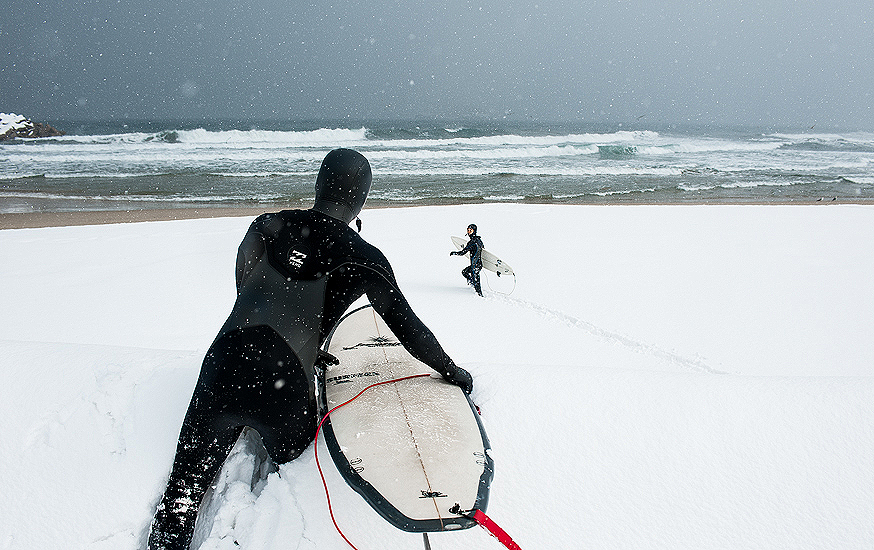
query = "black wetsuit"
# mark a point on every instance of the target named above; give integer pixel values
(297, 273)
(471, 273)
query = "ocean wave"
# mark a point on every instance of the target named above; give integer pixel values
(170, 136)
(857, 137)
(616, 151)
(505, 198)
(527, 152)
(85, 176)
(141, 198)
(22, 177)
(825, 146)
(695, 146)
(531, 171)
(306, 138)
(859, 142)
(617, 192)
(735, 185)
(619, 143)
(401, 138)
(859, 180)
(518, 140)
(473, 170)
(313, 138)
(438, 163)
(258, 175)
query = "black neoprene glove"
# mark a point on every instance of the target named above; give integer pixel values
(460, 378)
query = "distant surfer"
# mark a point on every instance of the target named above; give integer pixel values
(297, 273)
(475, 248)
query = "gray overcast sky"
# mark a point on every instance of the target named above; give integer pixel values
(761, 62)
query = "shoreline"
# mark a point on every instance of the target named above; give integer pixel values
(35, 220)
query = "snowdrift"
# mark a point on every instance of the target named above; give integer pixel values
(661, 377)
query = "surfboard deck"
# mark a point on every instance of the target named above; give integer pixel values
(413, 448)
(490, 261)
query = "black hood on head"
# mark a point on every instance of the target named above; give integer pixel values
(343, 184)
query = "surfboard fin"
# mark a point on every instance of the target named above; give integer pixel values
(323, 361)
(456, 509)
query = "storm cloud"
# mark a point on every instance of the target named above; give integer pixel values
(783, 62)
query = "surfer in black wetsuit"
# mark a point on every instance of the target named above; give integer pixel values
(297, 273)
(475, 248)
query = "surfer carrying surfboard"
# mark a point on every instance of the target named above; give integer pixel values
(298, 271)
(475, 248)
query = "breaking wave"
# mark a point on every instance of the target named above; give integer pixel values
(433, 163)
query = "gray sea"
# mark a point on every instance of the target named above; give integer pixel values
(178, 164)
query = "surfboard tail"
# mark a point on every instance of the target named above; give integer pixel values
(489, 525)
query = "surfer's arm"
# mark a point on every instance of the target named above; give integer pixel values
(417, 338)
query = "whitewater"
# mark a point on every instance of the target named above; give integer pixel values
(117, 166)
(661, 377)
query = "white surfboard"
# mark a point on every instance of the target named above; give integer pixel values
(490, 261)
(414, 449)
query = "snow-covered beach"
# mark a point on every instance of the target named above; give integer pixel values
(677, 377)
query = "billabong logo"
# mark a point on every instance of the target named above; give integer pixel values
(432, 494)
(296, 258)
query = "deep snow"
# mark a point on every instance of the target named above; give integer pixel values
(677, 377)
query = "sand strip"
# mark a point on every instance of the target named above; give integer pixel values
(100, 217)
(61, 219)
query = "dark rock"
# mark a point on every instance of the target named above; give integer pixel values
(25, 128)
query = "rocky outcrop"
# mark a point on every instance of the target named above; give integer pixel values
(16, 126)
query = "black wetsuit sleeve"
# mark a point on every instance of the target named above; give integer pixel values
(469, 247)
(393, 307)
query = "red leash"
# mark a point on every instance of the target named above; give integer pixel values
(486, 523)
(478, 516)
(319, 429)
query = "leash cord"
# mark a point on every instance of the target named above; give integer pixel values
(476, 515)
(319, 429)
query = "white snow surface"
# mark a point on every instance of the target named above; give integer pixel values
(661, 377)
(9, 121)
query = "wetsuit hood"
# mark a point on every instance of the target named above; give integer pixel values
(342, 185)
